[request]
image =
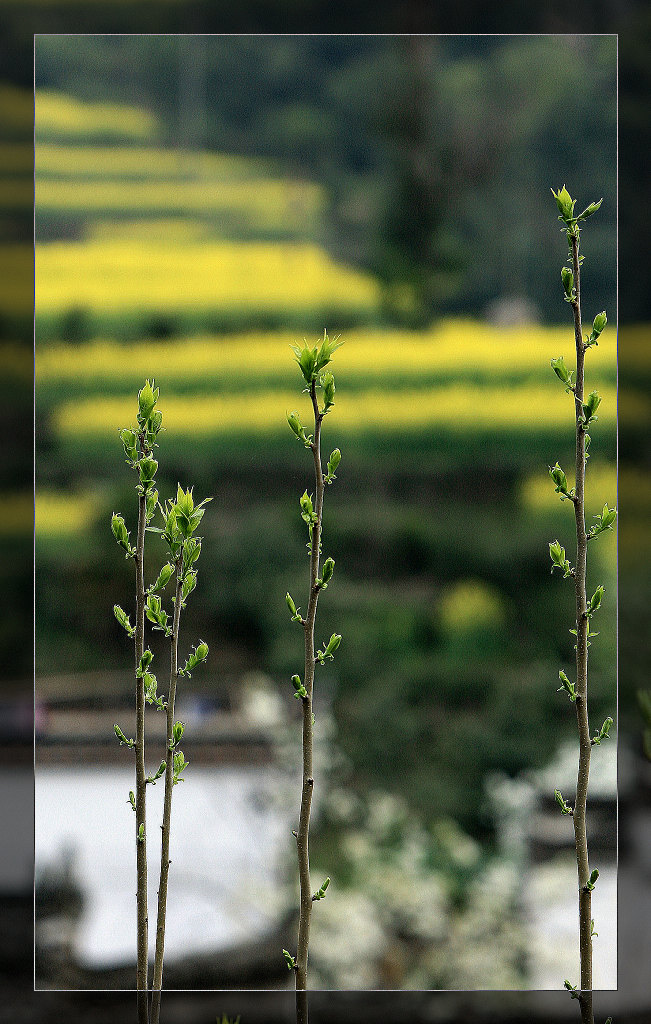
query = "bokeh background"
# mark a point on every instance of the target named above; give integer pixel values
(201, 204)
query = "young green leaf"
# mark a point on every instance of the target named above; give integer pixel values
(320, 893)
(145, 662)
(121, 534)
(327, 573)
(333, 462)
(590, 884)
(180, 764)
(199, 654)
(559, 478)
(567, 686)
(162, 579)
(295, 612)
(152, 779)
(177, 732)
(289, 960)
(123, 619)
(328, 653)
(565, 204)
(562, 372)
(298, 686)
(147, 398)
(604, 732)
(565, 807)
(122, 738)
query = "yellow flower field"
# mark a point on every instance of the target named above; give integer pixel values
(462, 347)
(58, 114)
(269, 203)
(104, 162)
(457, 408)
(110, 276)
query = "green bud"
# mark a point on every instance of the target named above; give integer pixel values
(141, 833)
(333, 462)
(123, 619)
(306, 504)
(163, 578)
(122, 738)
(289, 959)
(180, 764)
(567, 685)
(556, 552)
(599, 323)
(298, 686)
(150, 684)
(565, 807)
(197, 655)
(145, 662)
(333, 644)
(327, 382)
(590, 406)
(132, 799)
(561, 371)
(567, 277)
(604, 732)
(191, 551)
(306, 359)
(290, 603)
(177, 732)
(589, 210)
(128, 438)
(595, 601)
(156, 614)
(319, 895)
(188, 585)
(565, 204)
(152, 779)
(571, 989)
(559, 478)
(147, 468)
(155, 423)
(328, 570)
(121, 533)
(590, 884)
(325, 352)
(147, 399)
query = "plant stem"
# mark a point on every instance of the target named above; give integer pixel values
(582, 624)
(310, 661)
(141, 785)
(167, 805)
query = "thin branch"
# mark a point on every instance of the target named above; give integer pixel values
(141, 785)
(167, 805)
(302, 839)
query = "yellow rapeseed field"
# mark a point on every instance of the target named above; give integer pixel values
(461, 347)
(269, 203)
(456, 408)
(110, 276)
(111, 162)
(57, 114)
(537, 495)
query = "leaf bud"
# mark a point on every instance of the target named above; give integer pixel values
(147, 468)
(599, 323)
(128, 439)
(589, 210)
(147, 398)
(567, 277)
(595, 600)
(565, 203)
(328, 570)
(561, 371)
